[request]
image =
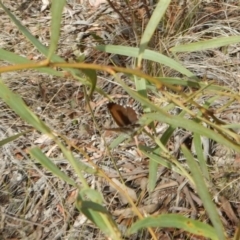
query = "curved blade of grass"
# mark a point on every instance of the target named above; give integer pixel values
(24, 30)
(234, 126)
(41, 48)
(141, 88)
(100, 216)
(153, 167)
(77, 165)
(92, 194)
(207, 44)
(204, 194)
(200, 156)
(118, 140)
(192, 83)
(17, 104)
(176, 121)
(148, 55)
(151, 27)
(156, 160)
(92, 76)
(176, 221)
(48, 164)
(56, 16)
(12, 138)
(14, 58)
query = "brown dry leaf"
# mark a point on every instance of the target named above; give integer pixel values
(142, 182)
(37, 233)
(226, 206)
(124, 213)
(18, 156)
(72, 196)
(236, 163)
(128, 212)
(43, 139)
(60, 208)
(149, 209)
(131, 193)
(92, 104)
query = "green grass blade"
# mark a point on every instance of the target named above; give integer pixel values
(157, 15)
(48, 164)
(148, 55)
(207, 44)
(24, 30)
(12, 138)
(156, 160)
(141, 88)
(92, 77)
(192, 83)
(77, 165)
(56, 12)
(204, 194)
(14, 58)
(17, 104)
(92, 194)
(176, 121)
(118, 140)
(100, 216)
(176, 221)
(41, 48)
(200, 156)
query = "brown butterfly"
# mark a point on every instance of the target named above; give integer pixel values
(125, 117)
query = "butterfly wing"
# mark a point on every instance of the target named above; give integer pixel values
(132, 115)
(123, 116)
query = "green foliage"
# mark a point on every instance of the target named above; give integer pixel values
(90, 202)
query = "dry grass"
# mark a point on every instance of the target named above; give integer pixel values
(37, 205)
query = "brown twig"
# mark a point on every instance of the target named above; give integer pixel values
(146, 8)
(116, 10)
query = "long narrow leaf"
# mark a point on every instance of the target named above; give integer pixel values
(176, 221)
(41, 48)
(100, 216)
(207, 44)
(153, 164)
(148, 55)
(12, 138)
(204, 194)
(151, 27)
(48, 164)
(14, 58)
(199, 150)
(20, 108)
(56, 12)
